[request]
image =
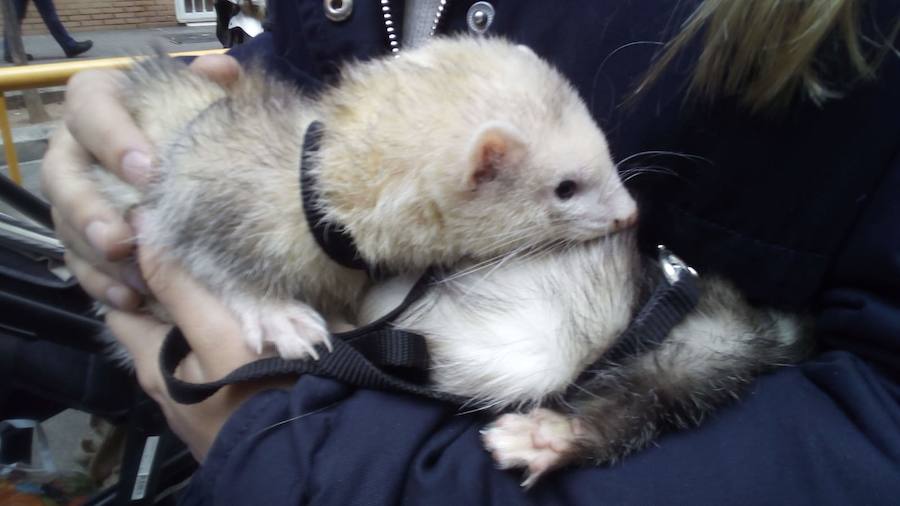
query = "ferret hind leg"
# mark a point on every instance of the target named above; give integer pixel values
(539, 441)
(706, 362)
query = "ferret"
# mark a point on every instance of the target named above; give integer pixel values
(517, 337)
(463, 150)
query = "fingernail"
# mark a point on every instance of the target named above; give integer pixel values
(133, 278)
(119, 297)
(97, 232)
(137, 167)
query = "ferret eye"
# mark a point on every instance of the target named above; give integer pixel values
(566, 189)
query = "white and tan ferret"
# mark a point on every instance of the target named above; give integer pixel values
(466, 149)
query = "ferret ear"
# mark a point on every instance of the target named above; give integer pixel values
(497, 147)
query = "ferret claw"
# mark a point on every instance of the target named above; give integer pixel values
(310, 349)
(292, 328)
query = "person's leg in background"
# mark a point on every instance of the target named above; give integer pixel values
(19, 6)
(69, 45)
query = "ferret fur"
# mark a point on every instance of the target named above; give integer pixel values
(451, 152)
(519, 336)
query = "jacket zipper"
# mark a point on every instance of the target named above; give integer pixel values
(391, 28)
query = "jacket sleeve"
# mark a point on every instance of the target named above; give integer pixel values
(860, 310)
(824, 432)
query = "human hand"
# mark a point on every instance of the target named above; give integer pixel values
(98, 129)
(217, 345)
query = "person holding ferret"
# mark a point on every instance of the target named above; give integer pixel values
(764, 135)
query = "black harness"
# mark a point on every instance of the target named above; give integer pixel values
(379, 356)
(332, 238)
(674, 296)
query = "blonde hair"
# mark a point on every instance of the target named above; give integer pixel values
(766, 51)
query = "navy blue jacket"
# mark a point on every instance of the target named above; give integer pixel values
(801, 210)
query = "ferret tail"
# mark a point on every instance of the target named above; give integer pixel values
(791, 336)
(163, 95)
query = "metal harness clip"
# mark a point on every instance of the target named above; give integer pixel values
(673, 266)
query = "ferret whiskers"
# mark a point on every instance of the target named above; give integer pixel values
(687, 156)
(523, 252)
(632, 173)
(515, 236)
(501, 261)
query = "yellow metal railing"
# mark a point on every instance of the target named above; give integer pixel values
(52, 74)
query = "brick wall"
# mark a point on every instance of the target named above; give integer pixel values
(85, 15)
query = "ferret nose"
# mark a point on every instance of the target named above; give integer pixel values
(627, 222)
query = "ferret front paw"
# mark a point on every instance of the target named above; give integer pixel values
(292, 328)
(539, 441)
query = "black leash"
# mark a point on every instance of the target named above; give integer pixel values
(380, 357)
(361, 357)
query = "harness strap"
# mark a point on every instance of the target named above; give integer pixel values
(676, 294)
(360, 357)
(666, 307)
(331, 237)
(345, 363)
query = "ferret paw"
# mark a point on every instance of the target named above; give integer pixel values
(539, 441)
(292, 328)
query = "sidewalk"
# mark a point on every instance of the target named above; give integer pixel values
(110, 43)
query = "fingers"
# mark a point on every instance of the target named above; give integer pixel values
(97, 127)
(116, 142)
(99, 122)
(98, 277)
(221, 68)
(101, 286)
(77, 203)
(142, 336)
(95, 235)
(197, 424)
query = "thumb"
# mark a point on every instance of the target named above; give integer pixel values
(221, 68)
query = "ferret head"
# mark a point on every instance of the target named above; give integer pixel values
(534, 166)
(495, 149)
(549, 184)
